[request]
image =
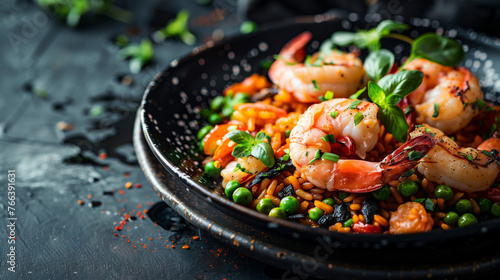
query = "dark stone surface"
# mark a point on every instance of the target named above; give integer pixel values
(56, 238)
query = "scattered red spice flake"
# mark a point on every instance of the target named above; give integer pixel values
(151, 238)
(80, 202)
(185, 247)
(116, 234)
(89, 196)
(196, 237)
(173, 246)
(123, 236)
(118, 228)
(160, 237)
(103, 156)
(126, 174)
(128, 185)
(138, 186)
(145, 211)
(121, 191)
(105, 168)
(126, 216)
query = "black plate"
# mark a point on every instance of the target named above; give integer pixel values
(170, 119)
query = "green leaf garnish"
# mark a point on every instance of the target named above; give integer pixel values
(329, 138)
(317, 156)
(247, 145)
(239, 167)
(354, 105)
(358, 118)
(315, 84)
(330, 157)
(328, 96)
(436, 110)
(488, 154)
(334, 114)
(399, 85)
(438, 49)
(139, 54)
(378, 64)
(429, 205)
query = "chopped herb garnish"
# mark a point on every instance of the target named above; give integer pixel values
(277, 56)
(408, 110)
(408, 173)
(436, 110)
(419, 200)
(330, 157)
(329, 138)
(239, 167)
(358, 118)
(177, 28)
(328, 96)
(418, 125)
(414, 155)
(481, 104)
(427, 130)
(493, 128)
(315, 84)
(488, 154)
(357, 94)
(307, 153)
(354, 104)
(465, 105)
(317, 156)
(429, 205)
(334, 114)
(467, 156)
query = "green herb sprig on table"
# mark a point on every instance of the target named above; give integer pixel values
(139, 54)
(249, 146)
(177, 28)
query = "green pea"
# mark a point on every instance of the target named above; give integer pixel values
(408, 188)
(315, 213)
(348, 223)
(215, 119)
(329, 201)
(484, 204)
(277, 212)
(213, 169)
(382, 194)
(217, 103)
(201, 147)
(289, 204)
(444, 192)
(287, 133)
(242, 196)
(248, 27)
(495, 209)
(343, 195)
(467, 219)
(227, 111)
(231, 186)
(463, 206)
(203, 132)
(451, 218)
(265, 205)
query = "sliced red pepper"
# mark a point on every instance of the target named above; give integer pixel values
(365, 228)
(344, 146)
(281, 151)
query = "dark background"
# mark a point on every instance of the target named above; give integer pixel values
(51, 73)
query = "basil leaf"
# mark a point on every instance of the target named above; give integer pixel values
(393, 118)
(261, 136)
(242, 150)
(378, 64)
(264, 153)
(385, 27)
(376, 93)
(343, 38)
(437, 48)
(241, 137)
(400, 84)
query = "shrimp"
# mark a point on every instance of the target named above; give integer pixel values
(446, 96)
(410, 217)
(349, 175)
(251, 164)
(339, 72)
(466, 169)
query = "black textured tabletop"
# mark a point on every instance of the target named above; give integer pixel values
(74, 203)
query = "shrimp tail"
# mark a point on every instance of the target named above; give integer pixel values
(293, 52)
(405, 157)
